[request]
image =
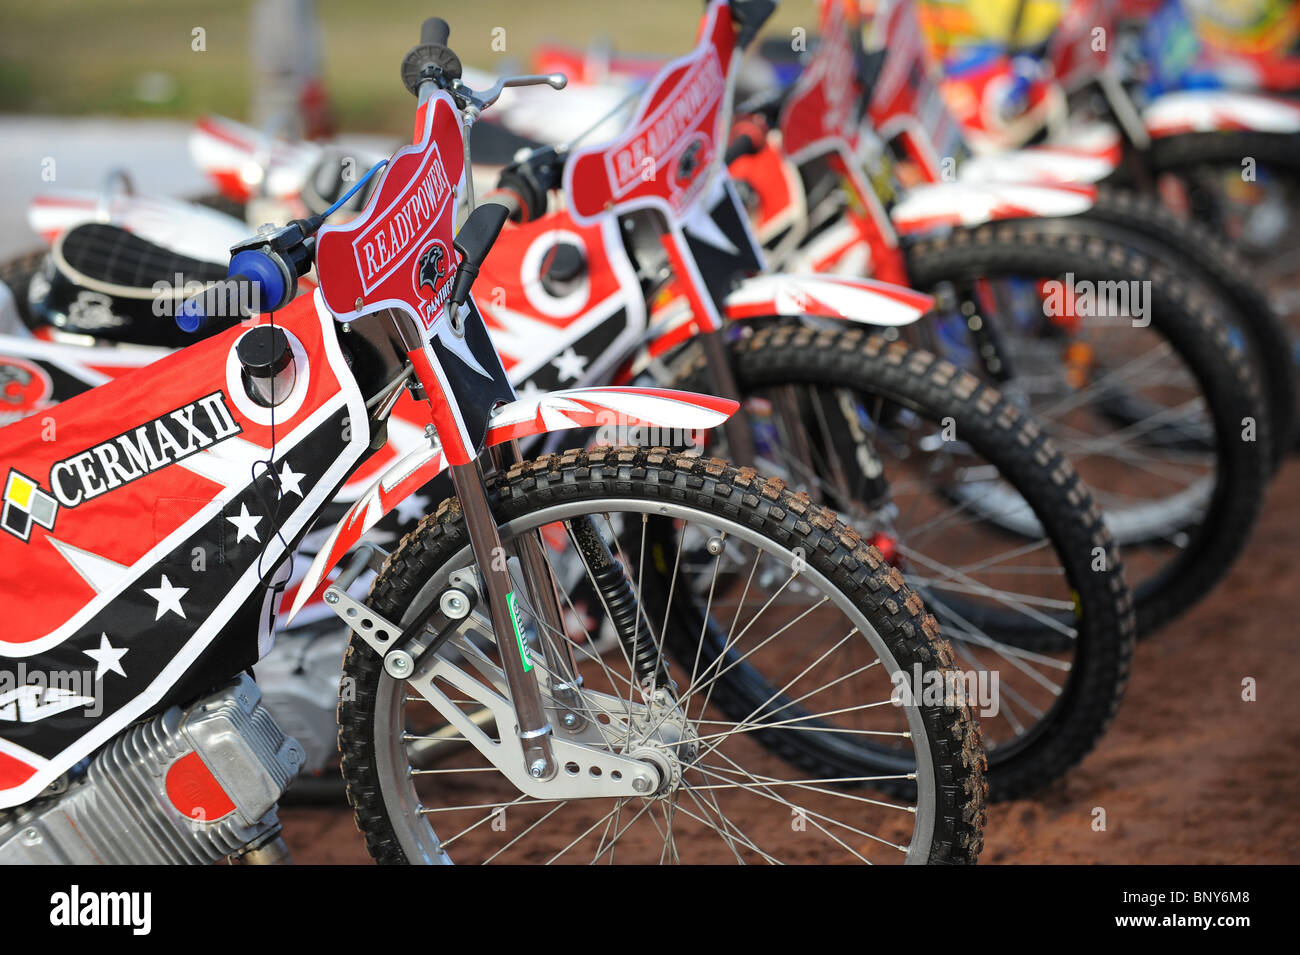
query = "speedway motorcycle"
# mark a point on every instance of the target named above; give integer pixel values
(658, 287)
(857, 420)
(231, 447)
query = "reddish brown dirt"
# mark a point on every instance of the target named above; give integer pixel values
(1189, 773)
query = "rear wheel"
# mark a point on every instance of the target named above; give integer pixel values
(819, 604)
(1245, 187)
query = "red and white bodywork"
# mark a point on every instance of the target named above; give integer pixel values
(596, 408)
(1207, 111)
(175, 224)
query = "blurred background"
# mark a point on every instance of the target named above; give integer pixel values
(93, 85)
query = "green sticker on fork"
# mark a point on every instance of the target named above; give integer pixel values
(519, 631)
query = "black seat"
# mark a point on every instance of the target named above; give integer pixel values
(110, 254)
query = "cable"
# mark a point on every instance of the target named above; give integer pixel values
(364, 179)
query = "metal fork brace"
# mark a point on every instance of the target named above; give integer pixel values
(431, 627)
(599, 773)
(617, 775)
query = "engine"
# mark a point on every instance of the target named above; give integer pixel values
(191, 786)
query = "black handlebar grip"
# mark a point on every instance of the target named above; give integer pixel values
(515, 207)
(742, 145)
(434, 32)
(430, 53)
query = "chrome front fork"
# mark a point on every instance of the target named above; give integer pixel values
(534, 729)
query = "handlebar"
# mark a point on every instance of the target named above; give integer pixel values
(265, 269)
(523, 186)
(236, 296)
(263, 275)
(748, 136)
(432, 60)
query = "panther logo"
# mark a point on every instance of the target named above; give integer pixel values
(692, 160)
(14, 380)
(432, 267)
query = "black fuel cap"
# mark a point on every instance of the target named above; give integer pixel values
(566, 263)
(267, 362)
(264, 352)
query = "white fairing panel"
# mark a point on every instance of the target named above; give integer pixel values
(1081, 154)
(183, 227)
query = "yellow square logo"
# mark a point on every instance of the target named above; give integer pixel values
(20, 491)
(26, 504)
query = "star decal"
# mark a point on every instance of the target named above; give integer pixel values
(108, 659)
(246, 523)
(530, 391)
(168, 597)
(412, 508)
(99, 572)
(570, 365)
(290, 481)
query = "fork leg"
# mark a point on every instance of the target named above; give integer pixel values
(545, 602)
(534, 729)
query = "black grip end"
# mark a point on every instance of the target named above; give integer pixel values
(434, 32)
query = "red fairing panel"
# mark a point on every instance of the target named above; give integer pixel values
(556, 335)
(821, 113)
(616, 408)
(662, 160)
(907, 99)
(140, 522)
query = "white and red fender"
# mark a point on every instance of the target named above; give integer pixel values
(1083, 153)
(1207, 111)
(244, 163)
(557, 411)
(854, 299)
(947, 204)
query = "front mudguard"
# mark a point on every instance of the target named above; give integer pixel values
(1212, 111)
(620, 409)
(946, 205)
(1085, 153)
(866, 301)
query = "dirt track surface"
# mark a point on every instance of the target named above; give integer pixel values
(1189, 773)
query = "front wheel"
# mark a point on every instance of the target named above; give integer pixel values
(937, 462)
(798, 595)
(1132, 374)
